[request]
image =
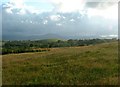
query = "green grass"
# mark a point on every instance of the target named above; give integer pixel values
(87, 65)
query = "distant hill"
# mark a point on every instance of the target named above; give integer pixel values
(52, 40)
(49, 36)
(33, 37)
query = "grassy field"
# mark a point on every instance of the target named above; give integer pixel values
(87, 65)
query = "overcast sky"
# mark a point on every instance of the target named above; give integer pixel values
(24, 18)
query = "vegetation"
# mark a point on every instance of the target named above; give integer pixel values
(82, 65)
(33, 46)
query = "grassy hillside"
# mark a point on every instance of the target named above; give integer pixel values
(87, 65)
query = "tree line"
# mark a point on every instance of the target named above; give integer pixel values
(33, 46)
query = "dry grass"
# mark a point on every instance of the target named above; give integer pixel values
(88, 65)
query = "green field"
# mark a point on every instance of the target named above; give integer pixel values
(86, 65)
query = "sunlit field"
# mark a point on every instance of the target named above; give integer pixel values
(86, 65)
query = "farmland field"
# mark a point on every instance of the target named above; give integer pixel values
(83, 65)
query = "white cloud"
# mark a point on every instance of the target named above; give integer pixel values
(64, 6)
(55, 17)
(17, 3)
(34, 11)
(22, 12)
(109, 36)
(108, 13)
(68, 5)
(45, 21)
(59, 24)
(63, 17)
(7, 5)
(113, 35)
(78, 17)
(23, 8)
(72, 20)
(31, 22)
(9, 10)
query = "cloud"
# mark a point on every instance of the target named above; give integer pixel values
(72, 20)
(109, 13)
(22, 12)
(87, 7)
(89, 19)
(9, 10)
(59, 24)
(92, 4)
(79, 5)
(17, 3)
(45, 21)
(67, 5)
(20, 7)
(55, 17)
(109, 36)
(84, 7)
(99, 4)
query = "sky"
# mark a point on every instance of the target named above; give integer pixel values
(28, 19)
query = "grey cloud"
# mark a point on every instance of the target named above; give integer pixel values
(92, 4)
(100, 5)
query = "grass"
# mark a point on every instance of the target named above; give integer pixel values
(87, 65)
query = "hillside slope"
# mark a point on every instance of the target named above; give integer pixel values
(87, 65)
